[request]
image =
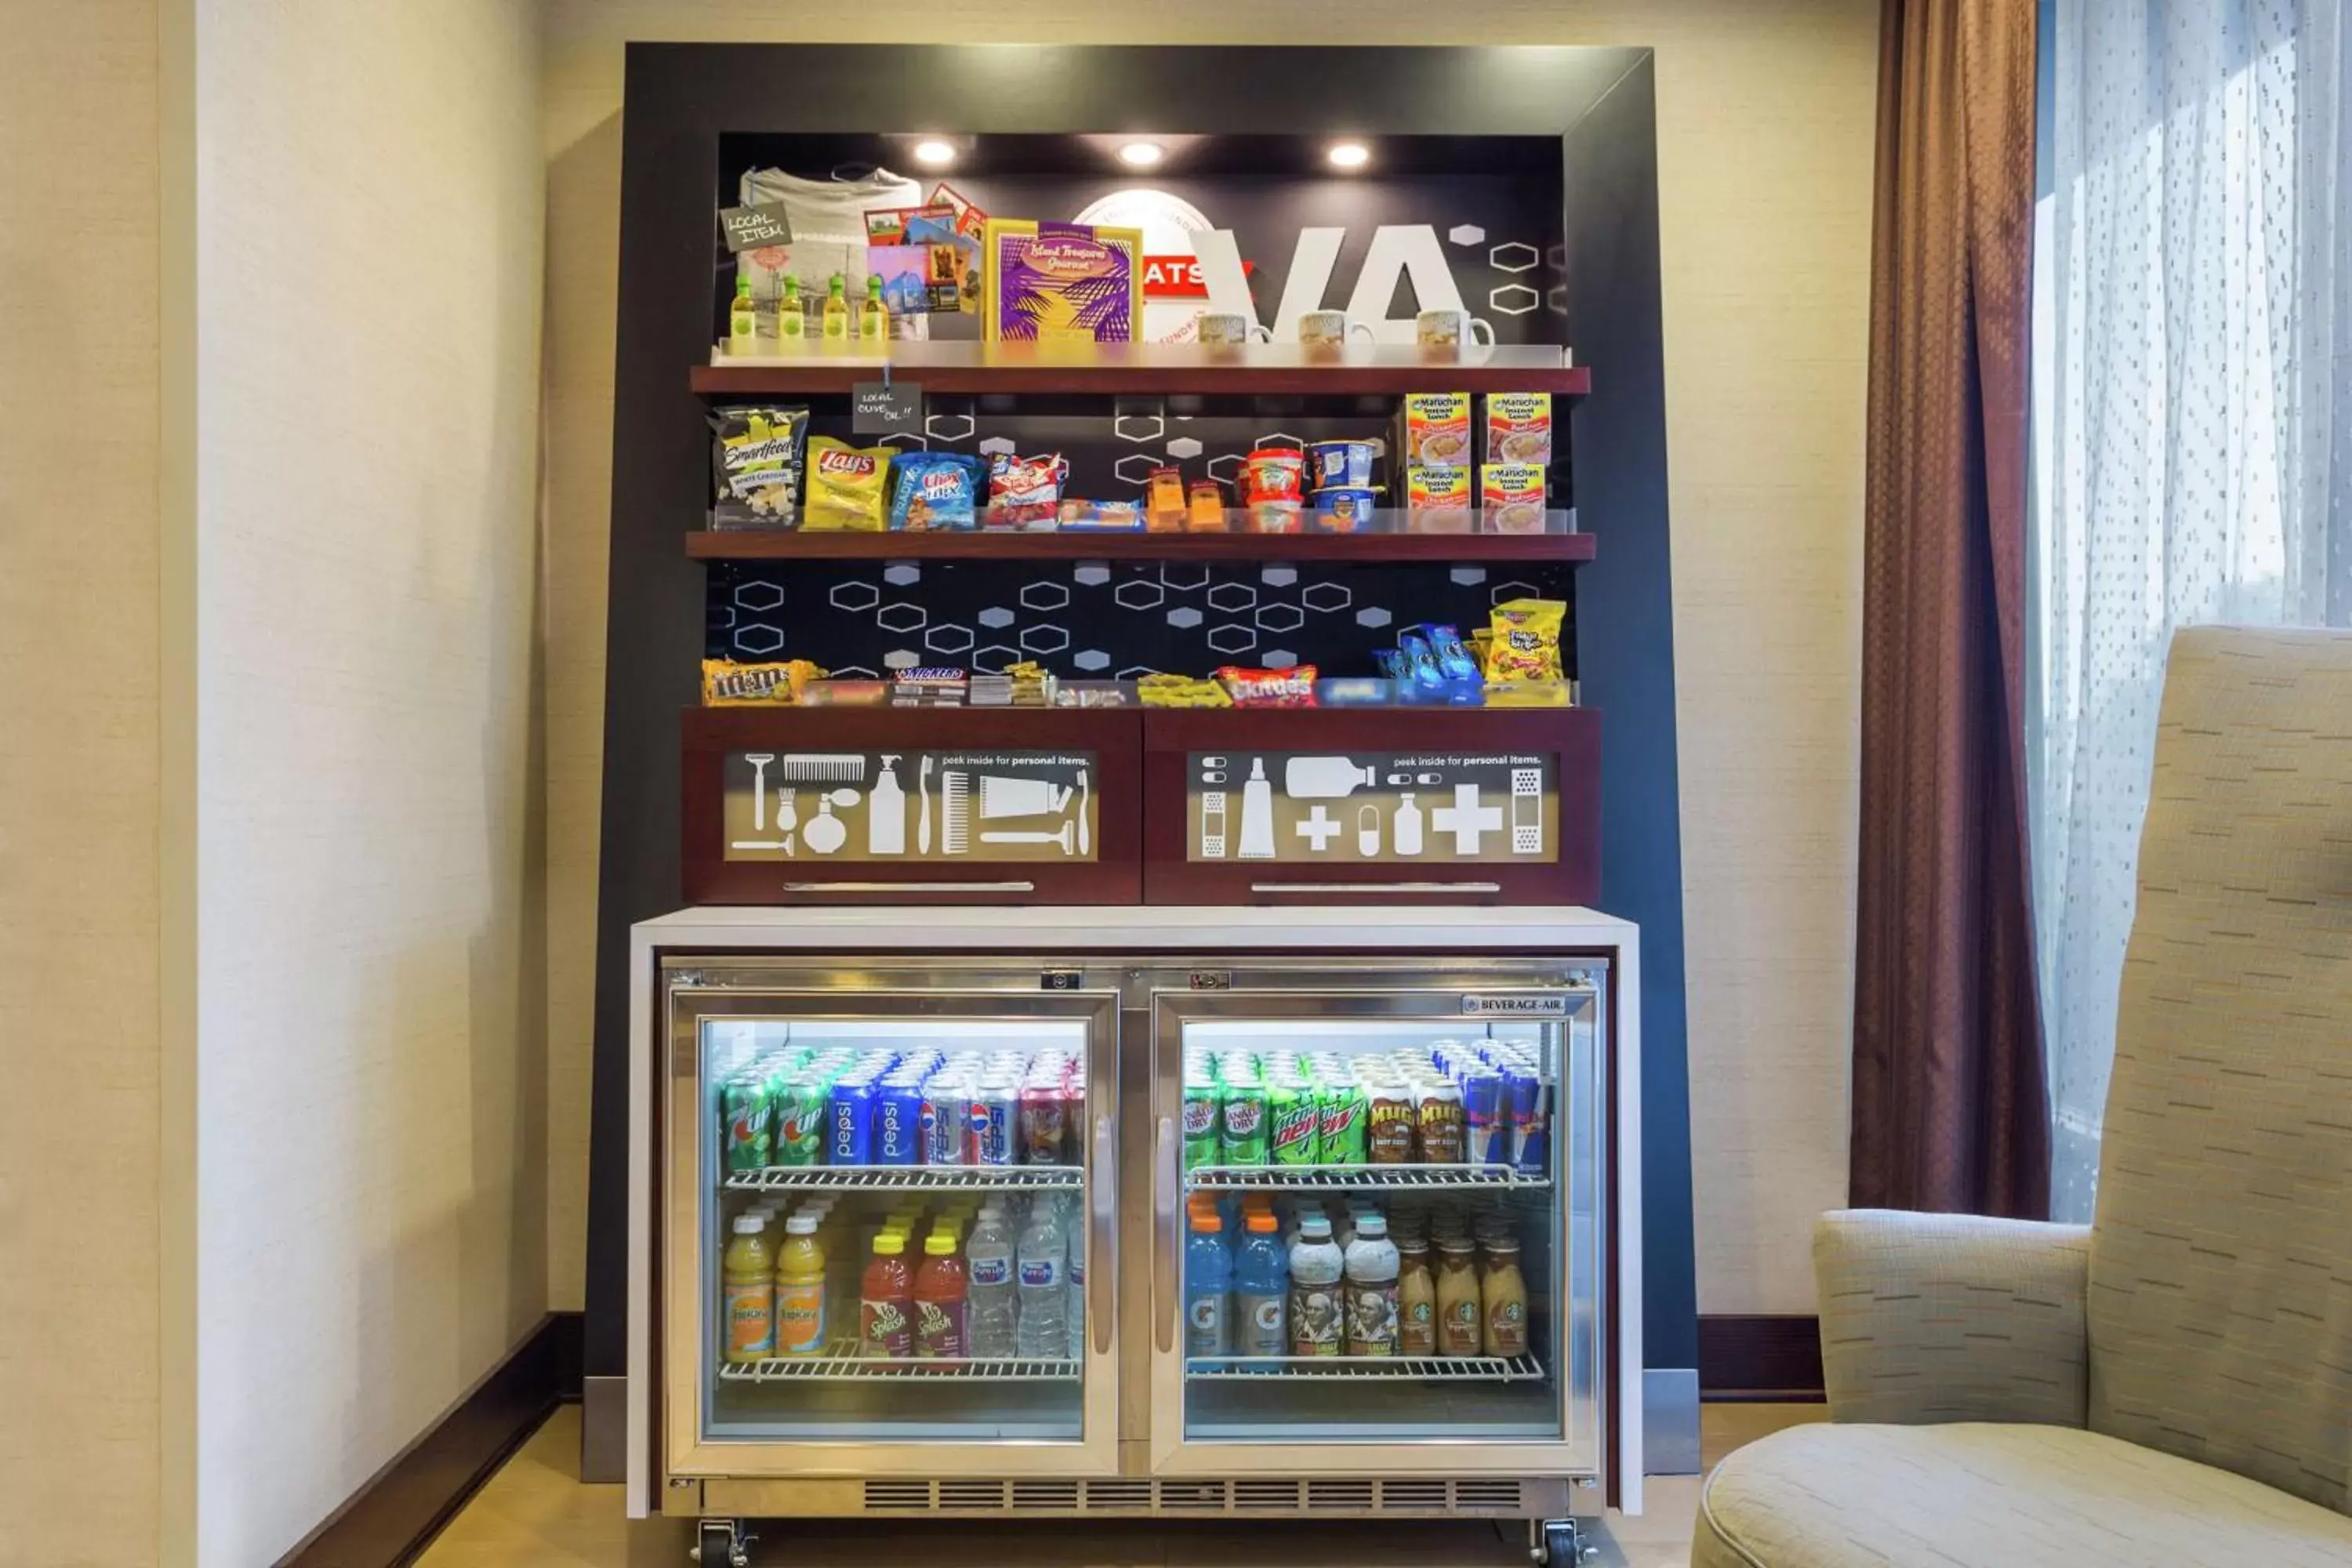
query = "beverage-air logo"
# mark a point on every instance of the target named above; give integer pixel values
(1522, 1006)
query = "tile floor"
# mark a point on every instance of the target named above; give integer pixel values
(536, 1514)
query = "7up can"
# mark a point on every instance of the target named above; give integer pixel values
(1245, 1120)
(1205, 1107)
(748, 1133)
(1346, 1122)
(1293, 1121)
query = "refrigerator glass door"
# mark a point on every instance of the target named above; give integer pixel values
(1378, 1222)
(890, 1243)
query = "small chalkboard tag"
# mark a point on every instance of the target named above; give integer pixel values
(879, 407)
(747, 229)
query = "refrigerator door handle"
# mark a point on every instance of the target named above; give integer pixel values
(1163, 1311)
(1102, 1280)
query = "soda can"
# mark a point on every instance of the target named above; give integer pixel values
(1485, 1109)
(947, 1106)
(1531, 1097)
(1204, 1109)
(1245, 1130)
(899, 1122)
(849, 1140)
(1044, 1123)
(991, 1126)
(747, 1124)
(1294, 1123)
(1346, 1118)
(801, 1106)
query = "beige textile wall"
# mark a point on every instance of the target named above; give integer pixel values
(79, 705)
(371, 1184)
(1765, 146)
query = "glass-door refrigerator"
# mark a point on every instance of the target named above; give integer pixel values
(1234, 1234)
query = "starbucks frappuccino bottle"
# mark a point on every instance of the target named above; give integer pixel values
(1416, 1297)
(1459, 1311)
(1503, 1299)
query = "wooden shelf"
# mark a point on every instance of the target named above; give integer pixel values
(752, 544)
(1261, 370)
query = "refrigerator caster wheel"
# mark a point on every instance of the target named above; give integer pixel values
(722, 1543)
(1564, 1545)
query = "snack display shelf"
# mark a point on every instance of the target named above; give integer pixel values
(1418, 1369)
(842, 1364)
(909, 1178)
(1361, 1178)
(1144, 369)
(1388, 536)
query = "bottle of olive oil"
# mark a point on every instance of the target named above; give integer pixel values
(742, 321)
(873, 316)
(791, 321)
(836, 311)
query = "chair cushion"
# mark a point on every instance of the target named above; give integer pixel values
(1853, 1495)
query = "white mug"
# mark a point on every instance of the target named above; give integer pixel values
(1328, 329)
(1450, 329)
(1231, 329)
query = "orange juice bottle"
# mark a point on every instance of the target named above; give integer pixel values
(748, 1275)
(800, 1290)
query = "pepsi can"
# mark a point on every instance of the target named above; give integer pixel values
(899, 1122)
(947, 1107)
(991, 1132)
(849, 1129)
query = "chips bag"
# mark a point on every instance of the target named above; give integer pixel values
(1024, 492)
(936, 489)
(846, 485)
(1525, 640)
(755, 466)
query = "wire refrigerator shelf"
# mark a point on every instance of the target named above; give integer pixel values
(842, 1364)
(1353, 1178)
(907, 1178)
(1423, 1369)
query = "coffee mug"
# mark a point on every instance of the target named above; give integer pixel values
(1328, 329)
(1450, 329)
(1231, 329)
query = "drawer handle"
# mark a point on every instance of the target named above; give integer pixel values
(910, 887)
(1376, 887)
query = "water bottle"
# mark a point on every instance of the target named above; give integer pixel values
(989, 1288)
(1261, 1290)
(1208, 1283)
(1045, 1330)
(1077, 1291)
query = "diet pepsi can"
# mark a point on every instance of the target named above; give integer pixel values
(899, 1122)
(991, 1134)
(947, 1108)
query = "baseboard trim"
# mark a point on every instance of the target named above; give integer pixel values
(1760, 1359)
(391, 1520)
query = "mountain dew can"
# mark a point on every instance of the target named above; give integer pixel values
(1346, 1124)
(1204, 1111)
(1294, 1122)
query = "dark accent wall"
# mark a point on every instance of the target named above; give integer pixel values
(1597, 104)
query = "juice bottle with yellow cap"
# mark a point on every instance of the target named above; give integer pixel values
(886, 1305)
(940, 1299)
(800, 1290)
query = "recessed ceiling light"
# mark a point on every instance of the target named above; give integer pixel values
(1140, 155)
(934, 154)
(1350, 154)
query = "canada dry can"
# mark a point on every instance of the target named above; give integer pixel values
(748, 1139)
(1204, 1109)
(1294, 1134)
(1245, 1129)
(1346, 1119)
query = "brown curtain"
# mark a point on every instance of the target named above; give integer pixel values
(1950, 1108)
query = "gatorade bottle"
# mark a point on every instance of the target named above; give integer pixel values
(885, 1302)
(940, 1299)
(988, 1260)
(1208, 1281)
(1261, 1288)
(800, 1289)
(750, 1275)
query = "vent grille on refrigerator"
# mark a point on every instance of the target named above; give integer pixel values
(899, 1496)
(1417, 1496)
(1192, 1495)
(971, 1494)
(1060, 1495)
(1283, 1495)
(1487, 1494)
(1118, 1497)
(1339, 1494)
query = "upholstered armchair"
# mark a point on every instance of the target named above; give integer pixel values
(2173, 1384)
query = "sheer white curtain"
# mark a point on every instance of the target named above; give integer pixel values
(2193, 432)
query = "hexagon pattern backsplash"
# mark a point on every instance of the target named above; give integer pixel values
(1101, 618)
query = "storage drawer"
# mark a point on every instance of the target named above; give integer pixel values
(788, 805)
(1397, 805)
